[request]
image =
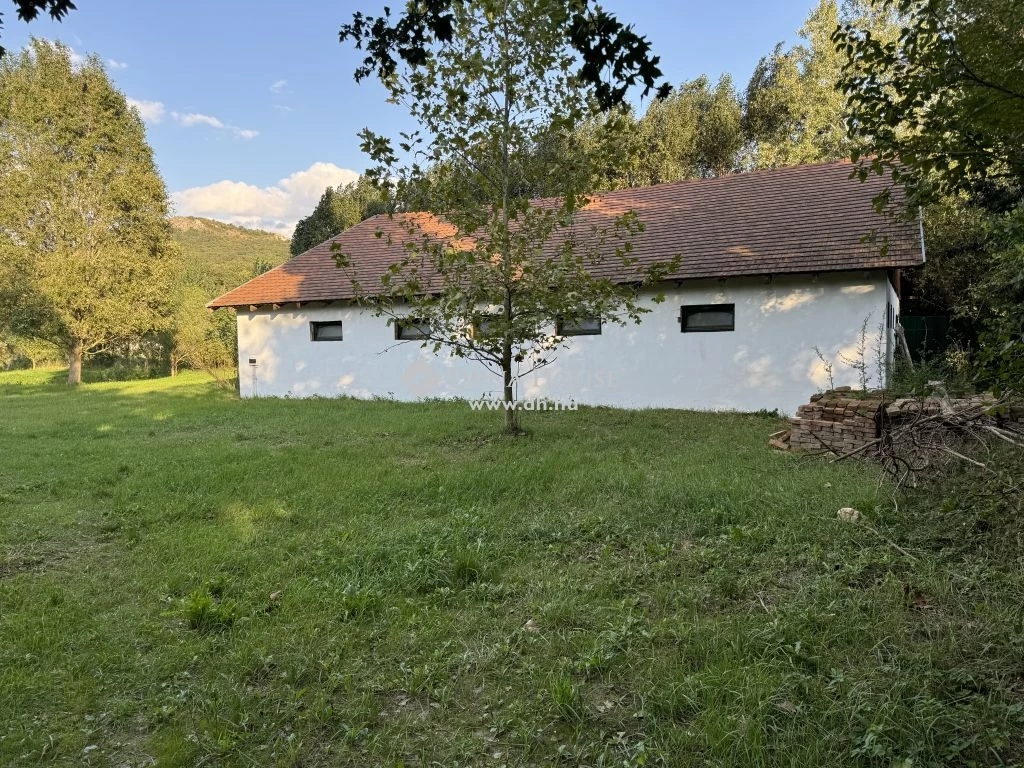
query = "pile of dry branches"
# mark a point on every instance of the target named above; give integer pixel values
(924, 436)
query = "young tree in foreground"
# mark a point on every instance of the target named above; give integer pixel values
(83, 213)
(491, 282)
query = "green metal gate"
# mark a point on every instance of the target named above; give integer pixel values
(926, 334)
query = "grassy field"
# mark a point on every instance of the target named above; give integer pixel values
(188, 579)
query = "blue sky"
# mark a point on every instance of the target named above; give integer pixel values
(251, 106)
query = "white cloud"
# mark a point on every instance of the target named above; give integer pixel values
(190, 119)
(276, 208)
(194, 118)
(150, 111)
(114, 64)
(282, 109)
(278, 85)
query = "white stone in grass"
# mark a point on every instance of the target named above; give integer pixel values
(848, 515)
(531, 626)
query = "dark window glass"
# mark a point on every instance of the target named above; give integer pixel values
(697, 318)
(325, 331)
(410, 329)
(584, 326)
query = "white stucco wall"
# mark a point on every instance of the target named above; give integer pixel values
(769, 361)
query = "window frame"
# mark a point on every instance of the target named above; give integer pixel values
(408, 322)
(686, 310)
(560, 327)
(316, 325)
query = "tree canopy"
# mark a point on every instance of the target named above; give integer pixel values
(790, 112)
(338, 209)
(610, 57)
(794, 111)
(942, 104)
(695, 132)
(28, 10)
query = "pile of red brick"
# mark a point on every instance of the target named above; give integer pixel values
(842, 420)
(838, 421)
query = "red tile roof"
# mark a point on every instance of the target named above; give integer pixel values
(810, 218)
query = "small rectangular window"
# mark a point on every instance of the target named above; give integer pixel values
(410, 328)
(702, 318)
(325, 331)
(583, 326)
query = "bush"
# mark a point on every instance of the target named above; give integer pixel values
(123, 371)
(952, 368)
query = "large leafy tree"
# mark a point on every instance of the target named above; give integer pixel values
(83, 214)
(503, 78)
(338, 209)
(695, 132)
(942, 104)
(795, 111)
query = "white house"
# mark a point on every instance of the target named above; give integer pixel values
(781, 272)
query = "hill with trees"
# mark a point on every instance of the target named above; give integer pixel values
(220, 255)
(215, 258)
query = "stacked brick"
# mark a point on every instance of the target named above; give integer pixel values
(841, 421)
(835, 421)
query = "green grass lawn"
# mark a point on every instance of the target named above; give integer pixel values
(617, 588)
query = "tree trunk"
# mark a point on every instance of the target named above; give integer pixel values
(511, 416)
(75, 355)
(174, 367)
